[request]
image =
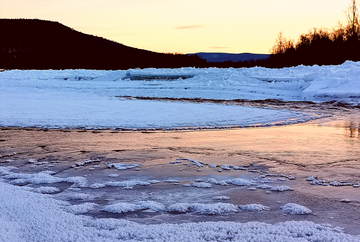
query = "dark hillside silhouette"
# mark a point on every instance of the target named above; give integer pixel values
(39, 44)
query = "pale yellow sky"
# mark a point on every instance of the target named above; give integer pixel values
(186, 26)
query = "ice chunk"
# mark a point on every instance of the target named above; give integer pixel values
(212, 209)
(239, 182)
(79, 196)
(46, 189)
(82, 163)
(150, 206)
(282, 188)
(123, 166)
(178, 208)
(80, 208)
(264, 186)
(221, 198)
(121, 207)
(293, 208)
(253, 207)
(202, 185)
(96, 185)
(226, 167)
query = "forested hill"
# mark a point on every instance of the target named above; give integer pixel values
(39, 44)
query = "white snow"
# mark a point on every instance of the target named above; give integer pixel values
(80, 208)
(239, 182)
(293, 208)
(221, 198)
(202, 185)
(79, 196)
(46, 189)
(28, 216)
(124, 207)
(253, 207)
(127, 183)
(121, 207)
(88, 99)
(264, 186)
(123, 166)
(282, 188)
(204, 209)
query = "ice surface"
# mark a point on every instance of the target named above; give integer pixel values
(88, 99)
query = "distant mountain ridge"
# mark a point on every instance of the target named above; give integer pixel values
(222, 57)
(40, 44)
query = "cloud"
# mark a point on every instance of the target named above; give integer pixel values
(189, 27)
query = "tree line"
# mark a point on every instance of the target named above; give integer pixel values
(320, 45)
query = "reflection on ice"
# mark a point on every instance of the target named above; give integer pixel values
(352, 129)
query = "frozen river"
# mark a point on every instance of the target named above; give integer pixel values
(82, 159)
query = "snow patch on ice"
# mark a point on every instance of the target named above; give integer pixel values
(46, 190)
(221, 198)
(121, 208)
(123, 166)
(239, 182)
(204, 209)
(253, 207)
(293, 208)
(281, 188)
(80, 208)
(202, 185)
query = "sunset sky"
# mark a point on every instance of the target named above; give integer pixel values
(186, 26)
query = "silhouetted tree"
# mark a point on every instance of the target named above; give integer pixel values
(352, 15)
(281, 44)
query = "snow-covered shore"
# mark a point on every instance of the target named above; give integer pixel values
(90, 99)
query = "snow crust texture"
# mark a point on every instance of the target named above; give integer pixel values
(28, 216)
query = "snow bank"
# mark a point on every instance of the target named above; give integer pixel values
(336, 83)
(90, 99)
